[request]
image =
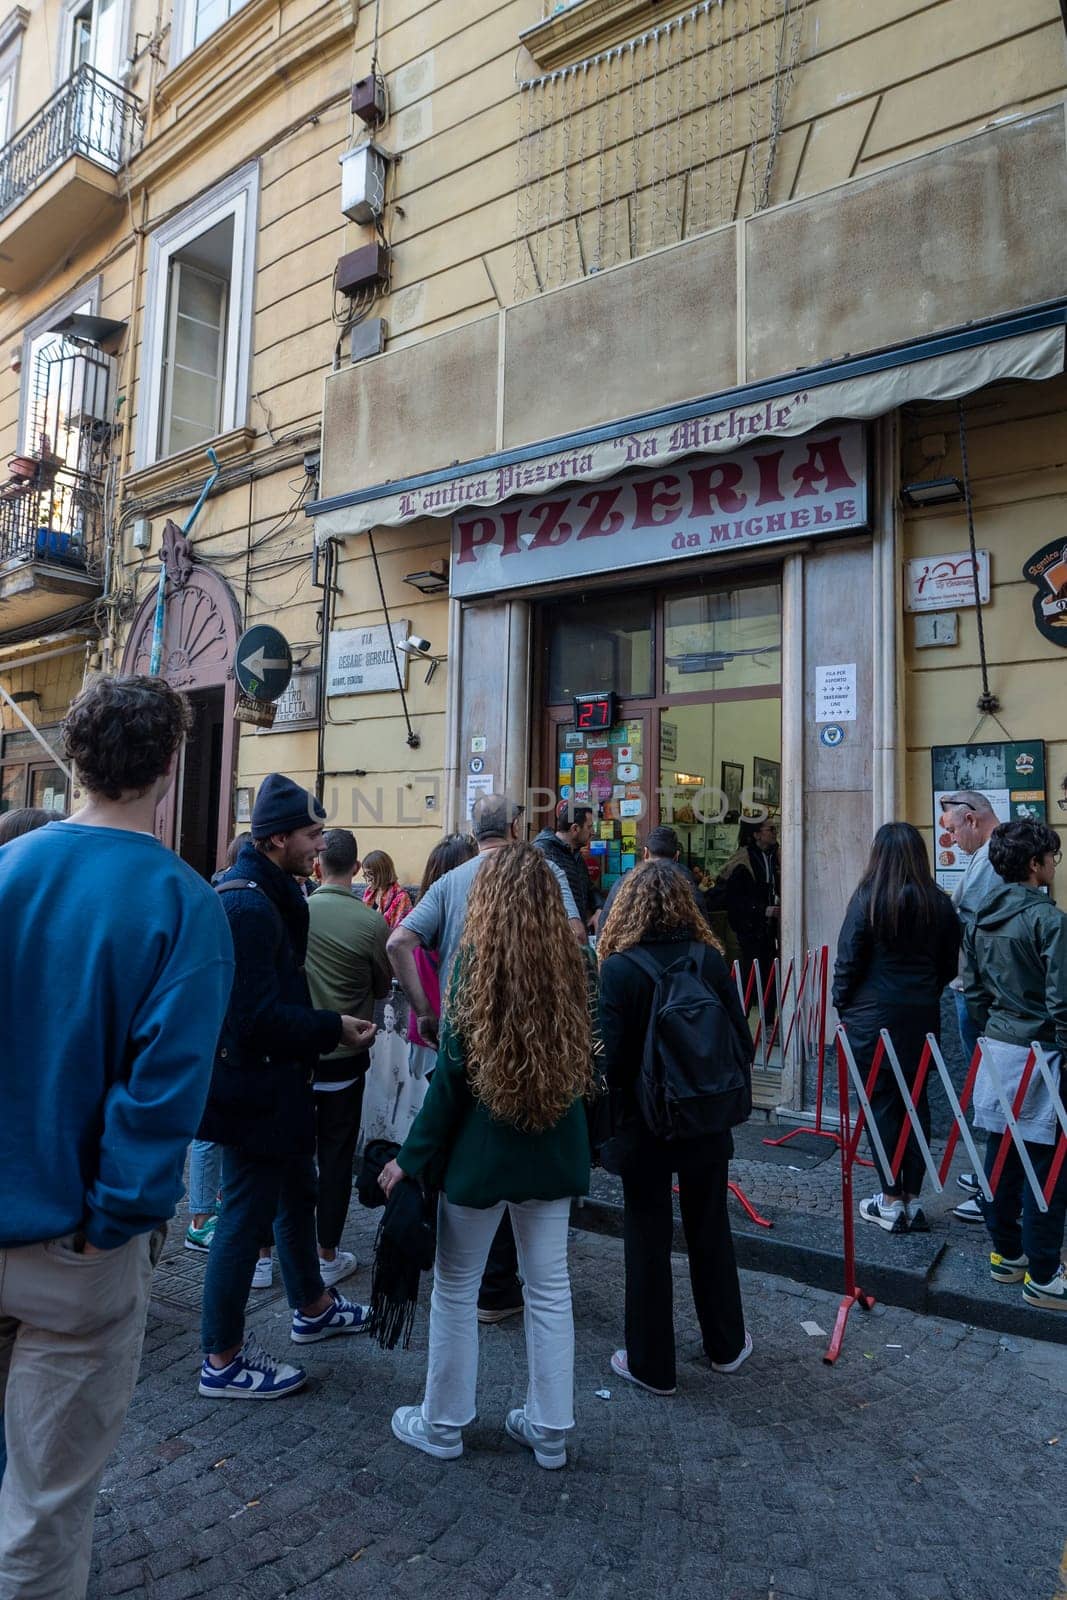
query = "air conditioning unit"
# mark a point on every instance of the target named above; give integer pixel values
(363, 182)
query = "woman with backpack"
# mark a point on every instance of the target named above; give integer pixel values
(504, 1125)
(677, 1056)
(898, 948)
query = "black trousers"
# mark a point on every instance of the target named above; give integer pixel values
(647, 1168)
(1015, 1224)
(890, 1116)
(337, 1118)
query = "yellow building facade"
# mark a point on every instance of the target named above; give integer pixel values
(602, 260)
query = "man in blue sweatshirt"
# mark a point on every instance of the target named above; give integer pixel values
(110, 1008)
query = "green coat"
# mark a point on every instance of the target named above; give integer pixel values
(1015, 967)
(485, 1160)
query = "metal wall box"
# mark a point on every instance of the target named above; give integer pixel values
(368, 100)
(363, 182)
(368, 338)
(363, 267)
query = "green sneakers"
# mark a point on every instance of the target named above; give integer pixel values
(200, 1238)
(1002, 1269)
(1051, 1296)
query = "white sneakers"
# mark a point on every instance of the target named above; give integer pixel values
(343, 1264)
(549, 1445)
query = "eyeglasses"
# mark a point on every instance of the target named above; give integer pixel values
(1057, 856)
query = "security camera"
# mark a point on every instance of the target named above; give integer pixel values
(414, 646)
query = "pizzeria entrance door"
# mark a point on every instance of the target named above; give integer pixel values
(690, 679)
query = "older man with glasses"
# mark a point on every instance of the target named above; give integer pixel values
(969, 817)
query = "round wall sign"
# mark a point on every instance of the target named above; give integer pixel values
(832, 735)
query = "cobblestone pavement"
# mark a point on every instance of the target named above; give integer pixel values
(928, 1465)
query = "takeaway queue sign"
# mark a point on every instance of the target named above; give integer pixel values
(760, 494)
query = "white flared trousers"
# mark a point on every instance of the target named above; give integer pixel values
(464, 1236)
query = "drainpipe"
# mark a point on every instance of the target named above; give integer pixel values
(161, 590)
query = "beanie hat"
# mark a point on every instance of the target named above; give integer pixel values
(282, 806)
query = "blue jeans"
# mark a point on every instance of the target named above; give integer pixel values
(259, 1194)
(1016, 1225)
(205, 1172)
(968, 1031)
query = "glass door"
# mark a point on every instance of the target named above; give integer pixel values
(613, 772)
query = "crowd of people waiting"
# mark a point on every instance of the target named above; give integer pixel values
(243, 1014)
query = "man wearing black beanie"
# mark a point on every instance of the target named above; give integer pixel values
(261, 1106)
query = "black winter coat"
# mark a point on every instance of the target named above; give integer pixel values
(261, 1099)
(574, 868)
(748, 893)
(893, 985)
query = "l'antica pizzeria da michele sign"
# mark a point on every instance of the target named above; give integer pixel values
(759, 494)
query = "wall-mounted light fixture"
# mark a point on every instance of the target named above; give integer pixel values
(933, 492)
(433, 581)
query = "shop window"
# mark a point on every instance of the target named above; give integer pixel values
(27, 781)
(198, 330)
(601, 644)
(723, 639)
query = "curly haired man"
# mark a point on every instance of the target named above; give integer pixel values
(110, 1008)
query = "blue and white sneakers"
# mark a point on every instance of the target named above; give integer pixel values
(343, 1316)
(251, 1375)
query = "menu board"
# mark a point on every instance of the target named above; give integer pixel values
(1011, 775)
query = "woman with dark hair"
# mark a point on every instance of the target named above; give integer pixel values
(504, 1119)
(24, 819)
(383, 890)
(655, 914)
(449, 852)
(897, 949)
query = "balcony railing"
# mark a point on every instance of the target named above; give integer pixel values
(60, 525)
(87, 116)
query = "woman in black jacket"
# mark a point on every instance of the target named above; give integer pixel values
(655, 910)
(898, 948)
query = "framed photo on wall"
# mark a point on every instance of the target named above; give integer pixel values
(731, 782)
(767, 782)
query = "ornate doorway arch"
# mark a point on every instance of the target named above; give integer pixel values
(201, 627)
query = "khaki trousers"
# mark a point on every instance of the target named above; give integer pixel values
(71, 1330)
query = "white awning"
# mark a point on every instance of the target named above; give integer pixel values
(889, 380)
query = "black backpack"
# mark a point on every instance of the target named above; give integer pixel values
(696, 1076)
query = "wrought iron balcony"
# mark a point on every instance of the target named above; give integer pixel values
(57, 174)
(87, 116)
(51, 549)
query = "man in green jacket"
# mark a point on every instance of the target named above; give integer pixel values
(1015, 983)
(347, 971)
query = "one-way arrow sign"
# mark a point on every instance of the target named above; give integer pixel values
(263, 662)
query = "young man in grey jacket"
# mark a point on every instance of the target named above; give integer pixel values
(1015, 983)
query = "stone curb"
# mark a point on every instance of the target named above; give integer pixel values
(939, 1287)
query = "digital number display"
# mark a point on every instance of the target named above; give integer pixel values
(594, 713)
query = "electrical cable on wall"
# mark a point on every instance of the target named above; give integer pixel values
(413, 739)
(988, 703)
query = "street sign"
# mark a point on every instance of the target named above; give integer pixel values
(263, 662)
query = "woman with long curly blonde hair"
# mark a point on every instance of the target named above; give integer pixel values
(654, 924)
(503, 1120)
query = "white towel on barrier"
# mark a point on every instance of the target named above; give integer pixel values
(1037, 1117)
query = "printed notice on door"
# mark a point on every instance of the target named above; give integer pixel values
(835, 693)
